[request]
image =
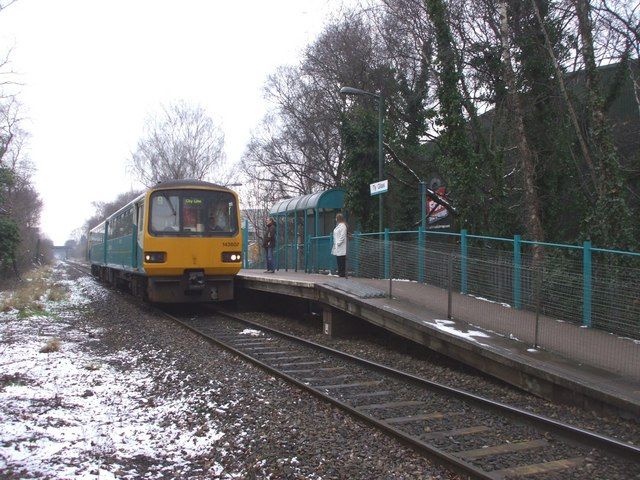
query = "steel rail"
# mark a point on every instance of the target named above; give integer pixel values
(543, 423)
(574, 433)
(445, 459)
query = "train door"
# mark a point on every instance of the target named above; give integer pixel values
(139, 233)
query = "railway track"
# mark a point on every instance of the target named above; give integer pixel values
(477, 437)
(474, 436)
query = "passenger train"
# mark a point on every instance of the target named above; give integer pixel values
(179, 241)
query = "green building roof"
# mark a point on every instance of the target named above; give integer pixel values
(329, 199)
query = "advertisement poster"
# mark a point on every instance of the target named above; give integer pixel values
(438, 216)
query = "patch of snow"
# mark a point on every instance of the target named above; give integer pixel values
(532, 350)
(445, 326)
(252, 332)
(64, 414)
(506, 305)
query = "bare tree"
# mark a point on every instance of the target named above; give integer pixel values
(258, 200)
(297, 149)
(533, 220)
(181, 142)
(103, 209)
(10, 146)
(621, 22)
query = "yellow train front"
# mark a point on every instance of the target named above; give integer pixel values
(180, 241)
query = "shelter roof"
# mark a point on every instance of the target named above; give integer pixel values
(333, 198)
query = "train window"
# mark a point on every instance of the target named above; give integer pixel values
(222, 215)
(96, 236)
(193, 213)
(125, 224)
(140, 217)
(112, 232)
(165, 213)
(119, 226)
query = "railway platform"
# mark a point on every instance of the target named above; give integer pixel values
(584, 367)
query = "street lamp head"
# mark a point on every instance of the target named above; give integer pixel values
(357, 91)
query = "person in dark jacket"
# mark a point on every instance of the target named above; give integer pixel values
(269, 243)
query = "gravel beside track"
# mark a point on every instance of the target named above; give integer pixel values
(515, 446)
(399, 353)
(270, 429)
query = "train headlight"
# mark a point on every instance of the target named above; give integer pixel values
(155, 257)
(231, 256)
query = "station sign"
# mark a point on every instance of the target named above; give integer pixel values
(379, 187)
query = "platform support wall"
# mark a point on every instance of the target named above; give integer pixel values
(335, 322)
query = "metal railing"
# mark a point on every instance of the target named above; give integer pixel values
(501, 285)
(532, 291)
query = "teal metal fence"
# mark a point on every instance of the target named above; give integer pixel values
(594, 287)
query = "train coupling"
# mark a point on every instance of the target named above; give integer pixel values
(195, 281)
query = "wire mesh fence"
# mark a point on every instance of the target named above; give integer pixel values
(539, 299)
(612, 292)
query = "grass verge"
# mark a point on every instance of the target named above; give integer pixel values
(29, 296)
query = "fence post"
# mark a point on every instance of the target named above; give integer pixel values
(463, 261)
(276, 250)
(517, 272)
(285, 249)
(586, 284)
(305, 239)
(449, 286)
(245, 244)
(423, 205)
(295, 241)
(538, 293)
(313, 245)
(386, 253)
(307, 243)
(391, 272)
(356, 248)
(421, 238)
(421, 231)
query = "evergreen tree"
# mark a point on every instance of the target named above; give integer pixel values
(456, 159)
(610, 222)
(9, 234)
(359, 137)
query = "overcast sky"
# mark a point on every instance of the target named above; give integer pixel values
(91, 72)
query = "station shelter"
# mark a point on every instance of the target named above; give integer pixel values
(298, 220)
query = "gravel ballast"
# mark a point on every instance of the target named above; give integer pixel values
(150, 399)
(402, 354)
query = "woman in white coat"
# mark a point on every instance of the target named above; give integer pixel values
(339, 248)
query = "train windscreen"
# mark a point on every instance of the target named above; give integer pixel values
(199, 213)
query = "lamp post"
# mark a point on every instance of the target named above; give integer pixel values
(380, 98)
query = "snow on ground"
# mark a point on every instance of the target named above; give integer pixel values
(506, 305)
(251, 332)
(446, 326)
(70, 414)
